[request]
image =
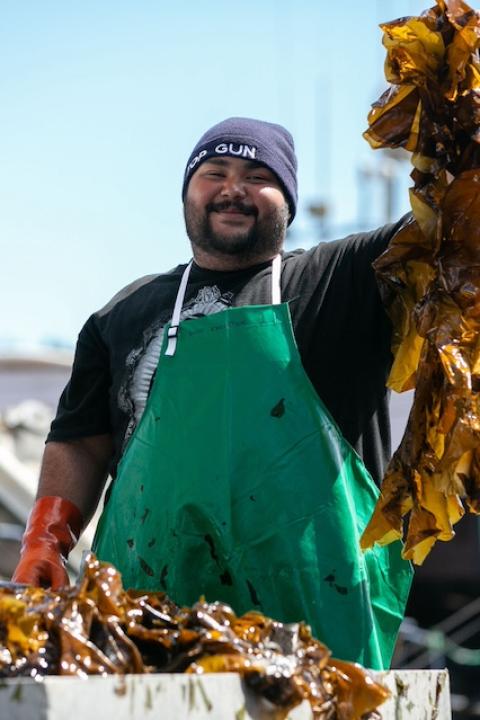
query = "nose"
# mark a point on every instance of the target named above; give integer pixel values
(233, 187)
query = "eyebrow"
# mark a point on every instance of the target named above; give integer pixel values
(252, 164)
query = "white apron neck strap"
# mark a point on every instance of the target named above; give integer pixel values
(175, 321)
(276, 275)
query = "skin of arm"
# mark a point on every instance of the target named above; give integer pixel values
(77, 471)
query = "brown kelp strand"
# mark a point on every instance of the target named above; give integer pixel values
(97, 628)
(430, 274)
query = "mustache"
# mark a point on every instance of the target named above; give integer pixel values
(232, 205)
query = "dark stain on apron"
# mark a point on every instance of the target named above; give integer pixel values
(341, 589)
(145, 567)
(253, 594)
(163, 577)
(209, 540)
(279, 410)
(226, 578)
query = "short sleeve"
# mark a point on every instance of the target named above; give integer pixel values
(83, 408)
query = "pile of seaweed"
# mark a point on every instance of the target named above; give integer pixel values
(97, 628)
(430, 274)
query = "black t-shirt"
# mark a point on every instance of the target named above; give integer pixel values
(341, 329)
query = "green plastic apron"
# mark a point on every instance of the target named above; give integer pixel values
(238, 485)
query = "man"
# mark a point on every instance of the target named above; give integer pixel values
(231, 477)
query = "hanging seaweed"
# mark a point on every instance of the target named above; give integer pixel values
(429, 276)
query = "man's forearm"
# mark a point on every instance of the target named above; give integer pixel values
(76, 470)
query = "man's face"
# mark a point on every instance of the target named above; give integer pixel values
(235, 207)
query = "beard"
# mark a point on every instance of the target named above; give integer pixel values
(264, 238)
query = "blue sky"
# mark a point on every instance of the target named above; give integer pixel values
(102, 101)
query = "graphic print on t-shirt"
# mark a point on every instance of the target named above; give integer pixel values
(141, 362)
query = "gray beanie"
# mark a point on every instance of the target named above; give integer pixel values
(266, 143)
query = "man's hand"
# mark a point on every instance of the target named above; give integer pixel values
(53, 528)
(71, 482)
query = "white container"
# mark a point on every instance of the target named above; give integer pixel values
(416, 695)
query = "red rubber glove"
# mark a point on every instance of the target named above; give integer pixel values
(53, 528)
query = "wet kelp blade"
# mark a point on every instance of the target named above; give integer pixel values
(96, 627)
(429, 276)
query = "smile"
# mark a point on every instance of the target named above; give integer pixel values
(231, 209)
(233, 216)
(233, 212)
